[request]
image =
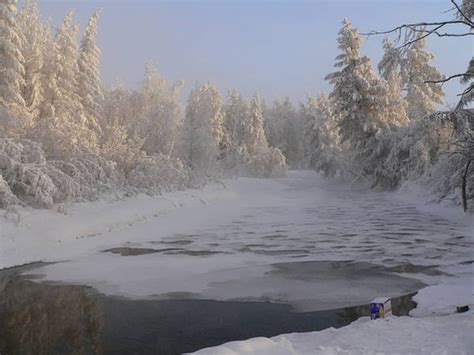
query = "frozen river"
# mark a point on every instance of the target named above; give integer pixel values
(298, 242)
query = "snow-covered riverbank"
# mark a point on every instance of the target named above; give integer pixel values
(433, 327)
(396, 335)
(46, 235)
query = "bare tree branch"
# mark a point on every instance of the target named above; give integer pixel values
(425, 29)
(411, 26)
(454, 34)
(442, 81)
(445, 34)
(409, 43)
(467, 91)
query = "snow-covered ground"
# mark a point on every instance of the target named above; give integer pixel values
(396, 335)
(433, 327)
(298, 240)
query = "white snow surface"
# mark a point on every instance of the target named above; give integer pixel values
(434, 327)
(394, 335)
(47, 235)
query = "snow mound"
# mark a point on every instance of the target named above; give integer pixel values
(444, 298)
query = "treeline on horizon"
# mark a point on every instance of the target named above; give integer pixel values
(64, 137)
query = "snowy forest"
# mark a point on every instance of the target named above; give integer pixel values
(66, 137)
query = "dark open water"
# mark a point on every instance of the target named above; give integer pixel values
(39, 318)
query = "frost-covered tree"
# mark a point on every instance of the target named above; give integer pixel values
(63, 128)
(203, 127)
(422, 96)
(259, 159)
(235, 116)
(284, 129)
(89, 84)
(158, 112)
(353, 87)
(118, 142)
(254, 134)
(245, 148)
(38, 181)
(391, 62)
(360, 102)
(321, 138)
(67, 100)
(413, 149)
(389, 68)
(441, 147)
(11, 59)
(32, 48)
(48, 77)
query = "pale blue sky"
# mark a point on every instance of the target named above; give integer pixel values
(280, 48)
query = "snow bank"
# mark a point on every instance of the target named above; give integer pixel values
(442, 332)
(444, 298)
(89, 226)
(394, 335)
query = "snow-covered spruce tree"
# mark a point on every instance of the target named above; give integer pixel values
(203, 129)
(389, 68)
(422, 96)
(11, 60)
(89, 84)
(159, 113)
(32, 48)
(245, 149)
(360, 102)
(321, 139)
(63, 128)
(258, 158)
(68, 104)
(48, 77)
